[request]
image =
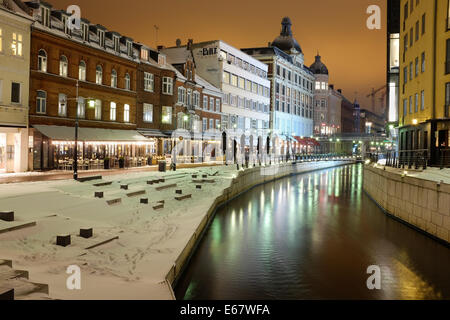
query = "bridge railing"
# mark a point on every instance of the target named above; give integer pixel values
(408, 159)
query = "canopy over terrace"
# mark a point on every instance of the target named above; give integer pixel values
(97, 144)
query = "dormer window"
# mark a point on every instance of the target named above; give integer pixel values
(129, 48)
(66, 27)
(85, 31)
(116, 44)
(101, 38)
(144, 54)
(45, 16)
(161, 60)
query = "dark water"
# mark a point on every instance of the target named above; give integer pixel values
(313, 236)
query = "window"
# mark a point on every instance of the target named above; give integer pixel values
(42, 59)
(410, 104)
(112, 111)
(114, 78)
(211, 104)
(423, 24)
(85, 30)
(196, 99)
(15, 92)
(181, 95)
(189, 97)
(217, 105)
(417, 31)
(416, 103)
(317, 85)
(166, 115)
(423, 62)
(248, 85)
(226, 77)
(101, 38)
(241, 83)
(116, 44)
(205, 124)
(126, 113)
(255, 88)
(99, 75)
(411, 37)
(217, 124)
(149, 82)
(144, 54)
(81, 108)
(45, 16)
(447, 95)
(205, 102)
(447, 58)
(82, 71)
(410, 71)
(148, 113)
(41, 102)
(127, 82)
(17, 44)
(130, 48)
(417, 66)
(63, 66)
(167, 87)
(211, 123)
(98, 110)
(405, 107)
(161, 59)
(62, 105)
(422, 100)
(234, 80)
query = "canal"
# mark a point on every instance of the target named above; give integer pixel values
(313, 236)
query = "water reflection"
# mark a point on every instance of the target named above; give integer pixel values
(313, 236)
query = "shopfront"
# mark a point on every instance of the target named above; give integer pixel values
(54, 148)
(13, 150)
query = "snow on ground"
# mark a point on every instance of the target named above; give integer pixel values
(431, 173)
(149, 241)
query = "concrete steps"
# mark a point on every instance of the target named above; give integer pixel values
(24, 289)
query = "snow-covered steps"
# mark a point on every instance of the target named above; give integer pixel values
(15, 284)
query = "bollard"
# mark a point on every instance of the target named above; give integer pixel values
(86, 233)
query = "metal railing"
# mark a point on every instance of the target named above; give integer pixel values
(444, 158)
(408, 159)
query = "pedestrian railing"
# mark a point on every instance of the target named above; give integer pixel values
(408, 159)
(444, 158)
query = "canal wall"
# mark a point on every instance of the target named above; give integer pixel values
(242, 182)
(419, 203)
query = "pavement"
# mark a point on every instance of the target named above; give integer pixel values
(54, 175)
(430, 174)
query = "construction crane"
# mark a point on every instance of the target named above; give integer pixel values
(374, 94)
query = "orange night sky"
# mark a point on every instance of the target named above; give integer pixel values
(354, 55)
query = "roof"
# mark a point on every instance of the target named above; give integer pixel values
(286, 41)
(318, 67)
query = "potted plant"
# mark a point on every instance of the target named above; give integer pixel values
(121, 162)
(106, 163)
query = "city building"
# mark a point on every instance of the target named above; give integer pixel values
(85, 75)
(243, 81)
(393, 68)
(371, 123)
(424, 77)
(291, 106)
(327, 102)
(198, 107)
(349, 125)
(156, 98)
(14, 85)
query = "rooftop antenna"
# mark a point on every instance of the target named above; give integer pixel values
(156, 32)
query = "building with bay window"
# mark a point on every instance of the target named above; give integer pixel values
(14, 85)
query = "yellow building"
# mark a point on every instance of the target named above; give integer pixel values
(14, 86)
(424, 76)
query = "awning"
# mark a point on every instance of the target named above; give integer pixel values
(153, 134)
(60, 133)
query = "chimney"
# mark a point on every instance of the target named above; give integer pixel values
(178, 43)
(160, 48)
(339, 90)
(190, 44)
(331, 86)
(269, 44)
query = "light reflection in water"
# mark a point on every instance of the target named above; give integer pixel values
(313, 238)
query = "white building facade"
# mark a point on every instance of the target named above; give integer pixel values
(14, 86)
(243, 81)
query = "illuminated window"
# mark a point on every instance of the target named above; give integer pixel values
(422, 100)
(126, 113)
(166, 115)
(63, 66)
(112, 111)
(82, 71)
(148, 113)
(144, 54)
(226, 77)
(149, 83)
(17, 44)
(98, 110)
(42, 60)
(81, 108)
(114, 78)
(127, 82)
(234, 80)
(62, 105)
(241, 83)
(99, 75)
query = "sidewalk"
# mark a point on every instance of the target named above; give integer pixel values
(55, 175)
(431, 173)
